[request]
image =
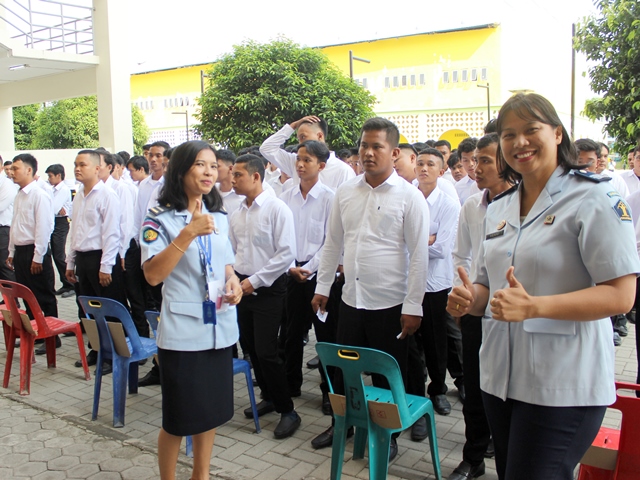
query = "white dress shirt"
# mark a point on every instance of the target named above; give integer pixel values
(470, 235)
(383, 231)
(145, 191)
(632, 180)
(449, 176)
(334, 174)
(8, 191)
(231, 200)
(269, 175)
(310, 218)
(263, 238)
(62, 199)
(443, 212)
(32, 221)
(618, 183)
(95, 226)
(127, 196)
(465, 188)
(446, 188)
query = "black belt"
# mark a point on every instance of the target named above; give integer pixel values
(89, 253)
(24, 247)
(278, 287)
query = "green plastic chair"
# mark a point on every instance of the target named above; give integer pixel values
(358, 411)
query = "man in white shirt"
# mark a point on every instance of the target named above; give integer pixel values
(95, 237)
(310, 203)
(138, 168)
(467, 186)
(602, 169)
(263, 236)
(31, 228)
(632, 177)
(8, 191)
(62, 211)
(308, 128)
(444, 147)
(381, 222)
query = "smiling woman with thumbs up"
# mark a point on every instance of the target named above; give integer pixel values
(185, 244)
(546, 286)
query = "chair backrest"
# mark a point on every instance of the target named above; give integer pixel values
(11, 291)
(353, 361)
(99, 309)
(628, 463)
(153, 318)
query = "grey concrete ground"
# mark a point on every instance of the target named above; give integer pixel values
(49, 434)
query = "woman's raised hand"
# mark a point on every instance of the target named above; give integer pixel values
(461, 297)
(201, 223)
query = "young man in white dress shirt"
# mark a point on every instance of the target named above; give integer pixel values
(310, 203)
(62, 211)
(381, 222)
(31, 228)
(632, 177)
(467, 185)
(93, 260)
(263, 236)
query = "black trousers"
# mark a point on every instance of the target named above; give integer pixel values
(476, 431)
(415, 366)
(433, 331)
(454, 348)
(58, 243)
(5, 272)
(535, 442)
(134, 282)
(259, 317)
(42, 284)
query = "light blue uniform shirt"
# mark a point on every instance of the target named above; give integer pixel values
(561, 246)
(181, 324)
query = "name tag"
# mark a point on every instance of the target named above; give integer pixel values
(494, 235)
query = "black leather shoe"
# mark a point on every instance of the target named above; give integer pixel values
(151, 378)
(441, 405)
(393, 449)
(465, 471)
(459, 383)
(325, 439)
(288, 424)
(62, 290)
(107, 368)
(295, 392)
(92, 359)
(326, 404)
(42, 349)
(313, 363)
(263, 408)
(491, 450)
(419, 430)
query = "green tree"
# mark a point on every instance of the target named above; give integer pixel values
(24, 121)
(611, 40)
(73, 123)
(257, 88)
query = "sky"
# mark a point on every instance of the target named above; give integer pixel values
(170, 33)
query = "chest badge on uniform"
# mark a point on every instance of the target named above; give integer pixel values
(501, 225)
(622, 210)
(549, 219)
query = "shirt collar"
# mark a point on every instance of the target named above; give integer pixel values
(315, 190)
(392, 180)
(433, 196)
(260, 199)
(31, 186)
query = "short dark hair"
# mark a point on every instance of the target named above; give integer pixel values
(487, 140)
(226, 155)
(491, 127)
(292, 148)
(343, 153)
(146, 147)
(322, 124)
(442, 143)
(162, 144)
(467, 145)
(588, 145)
(172, 193)
(95, 156)
(434, 152)
(7, 163)
(532, 106)
(454, 159)
(317, 149)
(604, 145)
(353, 151)
(27, 159)
(55, 169)
(420, 146)
(382, 124)
(138, 162)
(125, 156)
(430, 143)
(252, 149)
(109, 158)
(252, 163)
(408, 146)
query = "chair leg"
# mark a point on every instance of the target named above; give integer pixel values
(50, 345)
(11, 346)
(120, 370)
(83, 355)
(379, 444)
(133, 377)
(359, 443)
(337, 449)
(252, 398)
(96, 387)
(433, 443)
(26, 356)
(6, 331)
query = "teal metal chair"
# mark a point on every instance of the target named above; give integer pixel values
(368, 407)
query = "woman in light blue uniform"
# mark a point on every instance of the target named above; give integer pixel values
(547, 286)
(185, 244)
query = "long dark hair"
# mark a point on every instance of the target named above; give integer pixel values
(532, 106)
(172, 194)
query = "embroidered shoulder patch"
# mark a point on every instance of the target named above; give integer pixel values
(613, 194)
(623, 211)
(149, 235)
(148, 222)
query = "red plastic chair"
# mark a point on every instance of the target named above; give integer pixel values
(626, 441)
(30, 330)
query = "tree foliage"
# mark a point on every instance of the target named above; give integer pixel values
(611, 41)
(257, 88)
(70, 123)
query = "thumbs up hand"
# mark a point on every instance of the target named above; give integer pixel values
(461, 297)
(201, 223)
(512, 304)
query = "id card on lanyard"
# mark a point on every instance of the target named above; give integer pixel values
(208, 305)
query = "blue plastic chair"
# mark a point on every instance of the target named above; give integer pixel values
(239, 366)
(124, 367)
(353, 362)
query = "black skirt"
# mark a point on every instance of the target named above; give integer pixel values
(197, 390)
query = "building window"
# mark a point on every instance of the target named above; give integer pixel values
(395, 82)
(455, 76)
(445, 77)
(404, 80)
(474, 75)
(413, 80)
(422, 79)
(387, 84)
(364, 83)
(483, 74)
(465, 75)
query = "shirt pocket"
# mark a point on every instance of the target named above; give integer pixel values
(190, 309)
(262, 235)
(316, 232)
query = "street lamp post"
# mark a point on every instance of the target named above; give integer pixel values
(351, 59)
(488, 100)
(186, 117)
(202, 77)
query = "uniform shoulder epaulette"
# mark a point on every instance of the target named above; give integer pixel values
(155, 211)
(592, 177)
(505, 193)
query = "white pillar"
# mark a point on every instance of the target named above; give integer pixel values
(112, 74)
(7, 141)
